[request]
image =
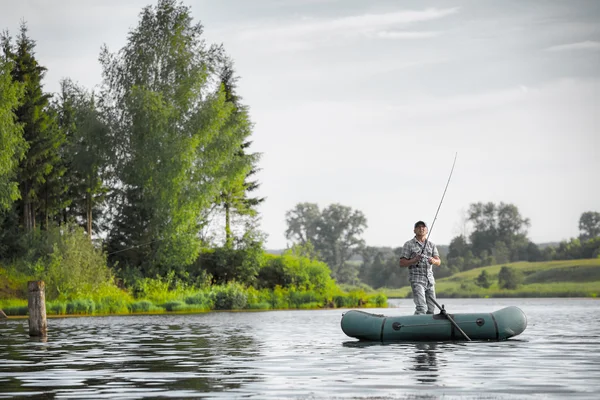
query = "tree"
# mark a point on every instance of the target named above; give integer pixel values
(497, 223)
(340, 231)
(173, 135)
(335, 233)
(43, 141)
(85, 155)
(509, 278)
(14, 145)
(303, 223)
(589, 225)
(483, 280)
(234, 196)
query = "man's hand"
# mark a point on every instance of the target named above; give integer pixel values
(435, 260)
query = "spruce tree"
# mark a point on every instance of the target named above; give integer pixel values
(13, 146)
(234, 197)
(38, 170)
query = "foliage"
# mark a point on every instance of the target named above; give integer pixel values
(589, 225)
(231, 296)
(39, 171)
(577, 249)
(85, 155)
(495, 224)
(334, 232)
(483, 280)
(13, 146)
(291, 270)
(540, 279)
(509, 278)
(380, 268)
(234, 197)
(66, 259)
(174, 139)
(240, 263)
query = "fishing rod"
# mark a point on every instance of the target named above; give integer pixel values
(442, 309)
(441, 201)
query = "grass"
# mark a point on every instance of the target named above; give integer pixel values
(565, 278)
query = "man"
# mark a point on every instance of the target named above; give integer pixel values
(420, 255)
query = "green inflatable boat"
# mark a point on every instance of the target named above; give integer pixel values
(499, 325)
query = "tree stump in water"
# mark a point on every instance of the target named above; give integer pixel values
(37, 308)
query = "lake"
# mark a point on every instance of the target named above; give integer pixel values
(302, 355)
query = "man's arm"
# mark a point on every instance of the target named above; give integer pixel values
(435, 259)
(407, 262)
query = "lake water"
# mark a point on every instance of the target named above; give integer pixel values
(302, 355)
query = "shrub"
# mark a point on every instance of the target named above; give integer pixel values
(67, 260)
(509, 278)
(228, 297)
(483, 280)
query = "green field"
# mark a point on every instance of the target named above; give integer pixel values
(566, 278)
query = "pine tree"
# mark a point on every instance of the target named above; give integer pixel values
(36, 171)
(11, 135)
(85, 155)
(234, 196)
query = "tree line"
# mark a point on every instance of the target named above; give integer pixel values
(142, 165)
(499, 236)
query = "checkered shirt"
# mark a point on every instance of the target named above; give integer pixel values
(422, 272)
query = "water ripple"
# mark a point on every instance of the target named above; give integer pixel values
(300, 354)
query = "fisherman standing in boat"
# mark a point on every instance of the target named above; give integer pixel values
(419, 255)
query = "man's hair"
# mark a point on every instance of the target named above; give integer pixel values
(418, 223)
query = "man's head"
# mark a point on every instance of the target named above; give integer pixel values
(420, 228)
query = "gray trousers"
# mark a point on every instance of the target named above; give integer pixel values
(422, 295)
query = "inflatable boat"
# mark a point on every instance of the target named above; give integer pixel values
(498, 325)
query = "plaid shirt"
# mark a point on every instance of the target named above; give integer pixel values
(422, 272)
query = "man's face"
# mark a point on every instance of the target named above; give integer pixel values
(421, 230)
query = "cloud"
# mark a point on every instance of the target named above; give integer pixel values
(308, 33)
(586, 45)
(405, 34)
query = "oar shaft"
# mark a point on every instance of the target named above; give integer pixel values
(451, 320)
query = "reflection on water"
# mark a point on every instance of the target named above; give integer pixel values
(300, 354)
(425, 362)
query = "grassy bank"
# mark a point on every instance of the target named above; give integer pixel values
(161, 298)
(565, 278)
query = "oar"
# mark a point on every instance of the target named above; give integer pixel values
(445, 314)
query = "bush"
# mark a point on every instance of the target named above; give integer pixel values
(290, 270)
(65, 258)
(483, 280)
(228, 297)
(509, 278)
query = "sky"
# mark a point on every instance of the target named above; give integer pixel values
(366, 103)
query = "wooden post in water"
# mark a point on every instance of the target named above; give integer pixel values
(37, 308)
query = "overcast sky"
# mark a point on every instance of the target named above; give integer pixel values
(365, 103)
